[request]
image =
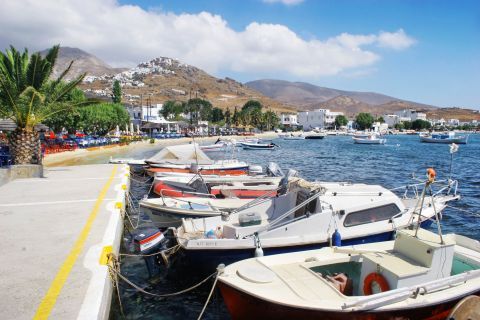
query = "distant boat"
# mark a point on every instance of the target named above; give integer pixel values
(449, 137)
(315, 135)
(370, 139)
(258, 146)
(291, 136)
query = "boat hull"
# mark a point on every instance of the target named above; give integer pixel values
(314, 137)
(243, 306)
(459, 140)
(369, 141)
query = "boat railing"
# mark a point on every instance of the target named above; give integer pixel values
(447, 185)
(385, 298)
(208, 195)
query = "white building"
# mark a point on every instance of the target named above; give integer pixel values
(392, 119)
(152, 113)
(289, 120)
(411, 114)
(453, 122)
(318, 118)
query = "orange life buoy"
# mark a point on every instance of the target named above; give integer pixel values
(431, 174)
(370, 279)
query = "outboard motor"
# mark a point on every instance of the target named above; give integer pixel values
(283, 185)
(148, 240)
(273, 170)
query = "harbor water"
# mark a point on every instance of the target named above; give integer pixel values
(334, 158)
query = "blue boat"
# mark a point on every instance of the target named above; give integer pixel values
(449, 137)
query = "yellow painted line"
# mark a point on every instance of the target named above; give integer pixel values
(49, 300)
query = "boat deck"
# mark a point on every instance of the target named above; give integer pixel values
(54, 233)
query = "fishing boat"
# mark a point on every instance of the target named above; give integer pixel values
(219, 186)
(189, 158)
(169, 211)
(309, 215)
(291, 136)
(370, 139)
(219, 145)
(315, 135)
(449, 137)
(419, 275)
(258, 146)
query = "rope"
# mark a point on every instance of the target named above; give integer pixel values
(162, 295)
(475, 214)
(208, 299)
(140, 181)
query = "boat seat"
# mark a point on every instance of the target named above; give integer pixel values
(306, 284)
(396, 263)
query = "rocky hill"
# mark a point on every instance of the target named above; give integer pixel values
(158, 80)
(83, 62)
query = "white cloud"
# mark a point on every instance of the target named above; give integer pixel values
(398, 40)
(125, 35)
(285, 2)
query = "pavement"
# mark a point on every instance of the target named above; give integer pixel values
(53, 231)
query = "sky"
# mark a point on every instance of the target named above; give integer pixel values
(426, 51)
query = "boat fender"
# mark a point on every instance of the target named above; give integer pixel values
(337, 238)
(377, 278)
(258, 247)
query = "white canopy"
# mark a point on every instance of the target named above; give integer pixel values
(183, 153)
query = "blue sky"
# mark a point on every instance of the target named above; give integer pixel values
(442, 68)
(425, 51)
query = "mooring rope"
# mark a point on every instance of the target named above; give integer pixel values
(475, 214)
(140, 289)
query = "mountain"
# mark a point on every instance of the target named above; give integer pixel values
(83, 62)
(163, 78)
(301, 93)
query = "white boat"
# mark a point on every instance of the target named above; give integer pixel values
(189, 158)
(258, 146)
(307, 215)
(219, 145)
(315, 135)
(370, 139)
(169, 211)
(219, 186)
(292, 136)
(419, 275)
(449, 137)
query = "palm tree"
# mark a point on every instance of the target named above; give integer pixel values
(28, 97)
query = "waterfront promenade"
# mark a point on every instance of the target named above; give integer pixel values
(55, 232)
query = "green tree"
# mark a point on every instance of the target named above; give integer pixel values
(236, 117)
(341, 120)
(28, 97)
(252, 104)
(399, 126)
(420, 124)
(172, 109)
(364, 120)
(199, 109)
(217, 115)
(116, 92)
(228, 118)
(103, 118)
(270, 120)
(255, 116)
(380, 119)
(69, 119)
(407, 125)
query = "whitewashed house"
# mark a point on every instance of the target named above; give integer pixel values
(318, 118)
(289, 120)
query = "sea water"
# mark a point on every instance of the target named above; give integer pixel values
(335, 158)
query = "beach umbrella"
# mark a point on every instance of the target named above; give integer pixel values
(117, 131)
(138, 128)
(131, 128)
(126, 128)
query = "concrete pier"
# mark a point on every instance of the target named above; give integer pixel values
(55, 233)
